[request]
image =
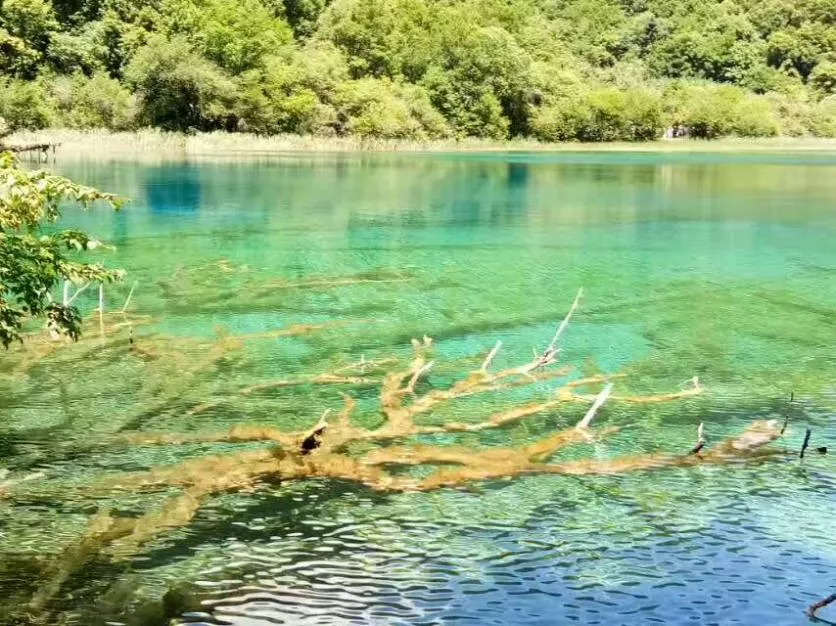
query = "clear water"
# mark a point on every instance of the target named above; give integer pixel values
(721, 266)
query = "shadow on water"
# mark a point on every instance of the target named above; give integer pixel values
(99, 590)
(282, 515)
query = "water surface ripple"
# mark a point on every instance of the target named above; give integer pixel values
(720, 266)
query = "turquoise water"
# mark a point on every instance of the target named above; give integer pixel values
(717, 266)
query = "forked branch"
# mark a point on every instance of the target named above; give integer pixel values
(325, 450)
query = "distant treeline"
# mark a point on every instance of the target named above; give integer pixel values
(555, 70)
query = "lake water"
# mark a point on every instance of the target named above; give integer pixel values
(716, 266)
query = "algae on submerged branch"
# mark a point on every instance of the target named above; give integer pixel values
(325, 450)
(694, 267)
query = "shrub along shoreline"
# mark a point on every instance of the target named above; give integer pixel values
(150, 143)
(382, 109)
(420, 70)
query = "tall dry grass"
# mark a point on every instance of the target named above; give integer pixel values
(159, 145)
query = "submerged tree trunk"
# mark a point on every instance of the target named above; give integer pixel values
(336, 448)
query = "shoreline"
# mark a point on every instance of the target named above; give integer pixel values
(157, 144)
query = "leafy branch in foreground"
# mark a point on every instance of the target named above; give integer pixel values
(33, 262)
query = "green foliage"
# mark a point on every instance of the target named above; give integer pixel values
(77, 11)
(293, 93)
(179, 89)
(16, 57)
(793, 115)
(708, 111)
(602, 115)
(32, 21)
(595, 29)
(572, 70)
(823, 118)
(33, 262)
(95, 102)
(472, 109)
(118, 40)
(234, 35)
(372, 33)
(823, 78)
(801, 49)
(311, 92)
(302, 15)
(23, 104)
(716, 43)
(378, 108)
(476, 73)
(26, 28)
(485, 76)
(73, 53)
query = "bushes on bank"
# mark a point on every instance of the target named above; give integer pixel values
(312, 92)
(473, 110)
(707, 111)
(822, 121)
(293, 92)
(178, 89)
(382, 109)
(602, 115)
(793, 114)
(95, 102)
(577, 70)
(823, 78)
(24, 105)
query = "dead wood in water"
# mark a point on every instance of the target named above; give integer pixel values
(219, 285)
(336, 448)
(328, 449)
(814, 608)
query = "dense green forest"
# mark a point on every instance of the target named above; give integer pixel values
(555, 70)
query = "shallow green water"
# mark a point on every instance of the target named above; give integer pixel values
(721, 266)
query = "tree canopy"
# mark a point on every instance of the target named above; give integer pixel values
(589, 70)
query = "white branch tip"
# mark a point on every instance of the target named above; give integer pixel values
(597, 404)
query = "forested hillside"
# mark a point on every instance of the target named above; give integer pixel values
(590, 70)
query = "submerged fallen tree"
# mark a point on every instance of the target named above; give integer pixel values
(337, 448)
